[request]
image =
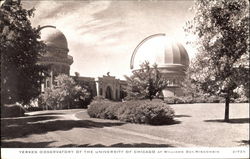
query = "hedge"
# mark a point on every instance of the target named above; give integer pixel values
(141, 111)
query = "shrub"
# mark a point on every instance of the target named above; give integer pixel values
(142, 111)
(148, 112)
(30, 109)
(242, 100)
(214, 99)
(97, 109)
(187, 99)
(14, 110)
(173, 100)
(99, 99)
(111, 112)
(200, 99)
(104, 109)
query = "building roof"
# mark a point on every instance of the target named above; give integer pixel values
(159, 49)
(53, 37)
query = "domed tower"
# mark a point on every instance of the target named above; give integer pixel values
(56, 56)
(171, 58)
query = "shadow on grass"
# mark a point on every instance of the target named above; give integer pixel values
(232, 121)
(24, 120)
(17, 144)
(22, 127)
(244, 142)
(180, 116)
(172, 123)
(142, 145)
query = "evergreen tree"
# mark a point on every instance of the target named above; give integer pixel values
(145, 83)
(20, 49)
(222, 31)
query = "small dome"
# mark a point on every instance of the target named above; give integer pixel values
(53, 37)
(161, 50)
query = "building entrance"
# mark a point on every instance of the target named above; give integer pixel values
(108, 93)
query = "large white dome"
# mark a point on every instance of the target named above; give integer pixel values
(163, 51)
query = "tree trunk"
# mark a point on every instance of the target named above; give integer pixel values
(226, 118)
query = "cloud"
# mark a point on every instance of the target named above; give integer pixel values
(103, 34)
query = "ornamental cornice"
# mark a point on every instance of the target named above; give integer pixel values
(54, 48)
(51, 59)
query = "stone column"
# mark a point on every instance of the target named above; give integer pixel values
(97, 87)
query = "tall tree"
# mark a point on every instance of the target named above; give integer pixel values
(20, 49)
(145, 83)
(222, 31)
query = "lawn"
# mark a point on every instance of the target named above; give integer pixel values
(197, 125)
(201, 125)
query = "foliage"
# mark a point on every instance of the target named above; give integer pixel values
(145, 83)
(102, 109)
(86, 85)
(64, 94)
(142, 111)
(173, 100)
(154, 113)
(12, 110)
(31, 109)
(222, 32)
(190, 86)
(97, 109)
(20, 49)
(99, 99)
(188, 99)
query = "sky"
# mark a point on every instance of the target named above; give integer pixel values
(102, 35)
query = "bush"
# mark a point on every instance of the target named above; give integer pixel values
(173, 100)
(142, 111)
(190, 99)
(148, 112)
(187, 99)
(242, 100)
(31, 109)
(103, 109)
(97, 109)
(99, 99)
(215, 99)
(200, 99)
(111, 111)
(14, 110)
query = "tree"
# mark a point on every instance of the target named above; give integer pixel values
(189, 85)
(222, 31)
(145, 83)
(20, 49)
(64, 94)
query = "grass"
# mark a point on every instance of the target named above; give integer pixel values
(197, 125)
(202, 125)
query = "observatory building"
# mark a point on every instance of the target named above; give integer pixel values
(56, 57)
(171, 58)
(58, 62)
